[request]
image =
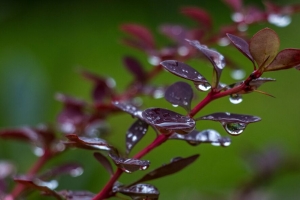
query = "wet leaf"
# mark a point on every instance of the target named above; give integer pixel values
(234, 124)
(285, 59)
(140, 34)
(128, 165)
(135, 133)
(93, 143)
(140, 192)
(73, 169)
(76, 195)
(256, 83)
(45, 187)
(206, 136)
(135, 68)
(264, 46)
(241, 45)
(199, 15)
(128, 107)
(104, 162)
(185, 71)
(180, 93)
(216, 59)
(167, 121)
(173, 167)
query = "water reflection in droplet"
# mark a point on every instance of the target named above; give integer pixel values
(235, 128)
(203, 86)
(235, 98)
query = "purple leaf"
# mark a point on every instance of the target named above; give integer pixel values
(104, 162)
(135, 68)
(216, 59)
(76, 195)
(285, 59)
(199, 15)
(45, 187)
(128, 165)
(173, 167)
(140, 192)
(167, 121)
(92, 143)
(135, 133)
(187, 72)
(234, 124)
(72, 169)
(206, 136)
(264, 46)
(128, 107)
(241, 45)
(140, 34)
(25, 134)
(180, 93)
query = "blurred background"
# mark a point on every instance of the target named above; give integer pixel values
(43, 43)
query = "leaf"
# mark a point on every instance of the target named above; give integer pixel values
(24, 134)
(285, 59)
(216, 59)
(198, 14)
(128, 107)
(135, 68)
(141, 34)
(135, 133)
(184, 71)
(45, 187)
(73, 169)
(180, 93)
(92, 143)
(173, 167)
(175, 32)
(206, 136)
(140, 192)
(241, 45)
(264, 46)
(104, 162)
(76, 195)
(128, 165)
(167, 121)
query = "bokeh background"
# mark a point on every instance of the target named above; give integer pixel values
(42, 43)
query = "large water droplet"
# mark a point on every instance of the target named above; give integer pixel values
(235, 98)
(235, 128)
(203, 86)
(238, 74)
(279, 20)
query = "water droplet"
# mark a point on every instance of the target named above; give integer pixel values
(243, 27)
(224, 41)
(185, 103)
(127, 171)
(38, 151)
(203, 86)
(134, 138)
(235, 128)
(154, 60)
(176, 159)
(216, 144)
(174, 105)
(110, 82)
(226, 144)
(157, 94)
(183, 51)
(144, 167)
(237, 17)
(67, 127)
(235, 98)
(76, 172)
(279, 20)
(50, 184)
(238, 74)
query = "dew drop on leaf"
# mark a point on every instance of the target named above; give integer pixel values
(203, 86)
(234, 128)
(235, 98)
(174, 105)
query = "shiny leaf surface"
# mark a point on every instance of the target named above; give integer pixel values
(140, 192)
(241, 44)
(135, 133)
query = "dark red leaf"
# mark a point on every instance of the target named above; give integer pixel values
(25, 133)
(141, 34)
(199, 15)
(128, 165)
(135, 133)
(216, 59)
(173, 167)
(207, 136)
(285, 59)
(140, 192)
(167, 121)
(73, 169)
(104, 162)
(135, 68)
(180, 93)
(128, 107)
(76, 195)
(94, 143)
(185, 71)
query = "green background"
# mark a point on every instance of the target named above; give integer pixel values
(42, 43)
